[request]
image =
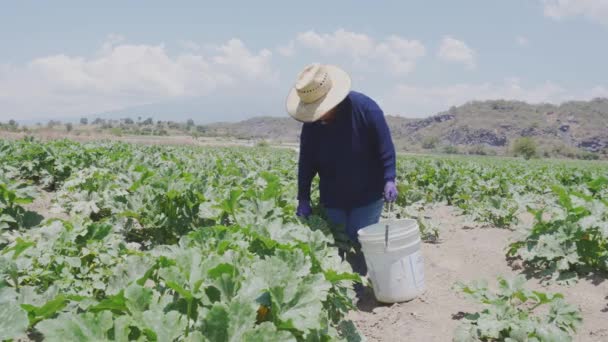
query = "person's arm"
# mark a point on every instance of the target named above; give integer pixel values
(306, 165)
(386, 148)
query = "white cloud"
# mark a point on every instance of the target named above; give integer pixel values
(414, 100)
(522, 41)
(456, 51)
(395, 53)
(598, 91)
(595, 10)
(287, 50)
(122, 75)
(235, 55)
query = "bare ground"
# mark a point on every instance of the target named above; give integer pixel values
(466, 255)
(42, 205)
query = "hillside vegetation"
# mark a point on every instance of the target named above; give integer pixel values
(572, 129)
(577, 129)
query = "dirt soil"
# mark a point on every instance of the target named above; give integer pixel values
(466, 255)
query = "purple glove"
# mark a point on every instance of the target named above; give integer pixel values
(390, 191)
(304, 209)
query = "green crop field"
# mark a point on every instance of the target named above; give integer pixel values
(165, 243)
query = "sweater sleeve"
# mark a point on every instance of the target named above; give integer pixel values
(384, 142)
(306, 165)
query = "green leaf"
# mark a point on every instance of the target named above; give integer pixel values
(490, 327)
(72, 327)
(138, 298)
(48, 310)
(166, 326)
(242, 315)
(122, 328)
(19, 247)
(565, 316)
(465, 333)
(334, 277)
(216, 323)
(267, 332)
(13, 321)
(349, 332)
(116, 303)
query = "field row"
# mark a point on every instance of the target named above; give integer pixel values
(183, 243)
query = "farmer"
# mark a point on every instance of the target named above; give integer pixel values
(346, 141)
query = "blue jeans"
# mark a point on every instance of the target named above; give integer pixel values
(354, 219)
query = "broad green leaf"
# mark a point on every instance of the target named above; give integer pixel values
(72, 327)
(138, 298)
(216, 323)
(267, 332)
(13, 321)
(48, 310)
(166, 326)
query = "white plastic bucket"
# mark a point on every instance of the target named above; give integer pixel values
(394, 262)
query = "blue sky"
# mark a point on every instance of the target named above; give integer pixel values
(231, 60)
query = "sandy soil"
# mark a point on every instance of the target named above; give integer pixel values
(42, 205)
(466, 255)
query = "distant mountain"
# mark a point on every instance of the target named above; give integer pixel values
(489, 126)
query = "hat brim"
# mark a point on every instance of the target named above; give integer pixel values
(310, 112)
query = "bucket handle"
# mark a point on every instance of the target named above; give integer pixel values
(386, 227)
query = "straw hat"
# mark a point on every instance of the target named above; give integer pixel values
(318, 88)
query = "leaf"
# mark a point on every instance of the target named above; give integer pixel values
(138, 298)
(465, 333)
(267, 332)
(349, 332)
(116, 303)
(132, 268)
(13, 321)
(565, 316)
(72, 327)
(121, 328)
(48, 310)
(242, 315)
(19, 247)
(166, 326)
(216, 323)
(490, 327)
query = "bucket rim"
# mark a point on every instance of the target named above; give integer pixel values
(410, 228)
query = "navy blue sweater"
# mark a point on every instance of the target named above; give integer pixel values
(354, 155)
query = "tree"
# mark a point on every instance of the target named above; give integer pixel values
(429, 142)
(190, 123)
(69, 127)
(13, 123)
(53, 123)
(128, 121)
(148, 121)
(525, 147)
(84, 121)
(450, 149)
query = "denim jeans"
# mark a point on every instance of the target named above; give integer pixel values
(354, 219)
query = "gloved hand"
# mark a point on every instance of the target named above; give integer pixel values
(304, 209)
(390, 191)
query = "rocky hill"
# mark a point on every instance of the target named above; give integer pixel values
(476, 127)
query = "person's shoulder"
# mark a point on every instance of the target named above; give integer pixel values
(365, 106)
(361, 100)
(359, 97)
